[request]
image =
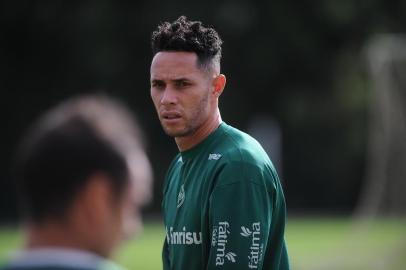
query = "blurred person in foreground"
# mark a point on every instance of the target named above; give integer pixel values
(223, 203)
(82, 176)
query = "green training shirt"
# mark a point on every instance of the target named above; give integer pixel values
(224, 206)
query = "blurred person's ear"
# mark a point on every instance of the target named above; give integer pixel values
(97, 198)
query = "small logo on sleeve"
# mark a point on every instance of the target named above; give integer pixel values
(245, 231)
(219, 241)
(231, 256)
(214, 236)
(214, 156)
(256, 248)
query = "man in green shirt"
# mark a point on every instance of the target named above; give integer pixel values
(82, 176)
(223, 203)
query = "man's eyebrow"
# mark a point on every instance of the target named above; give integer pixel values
(180, 79)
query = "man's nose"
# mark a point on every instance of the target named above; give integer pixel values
(169, 96)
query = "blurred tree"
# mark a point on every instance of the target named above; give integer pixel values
(295, 61)
(385, 186)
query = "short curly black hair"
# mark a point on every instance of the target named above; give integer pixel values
(190, 36)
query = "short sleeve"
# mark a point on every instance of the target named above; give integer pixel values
(240, 216)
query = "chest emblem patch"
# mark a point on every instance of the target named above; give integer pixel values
(181, 196)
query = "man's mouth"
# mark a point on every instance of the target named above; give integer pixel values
(170, 115)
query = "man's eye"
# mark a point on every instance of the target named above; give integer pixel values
(182, 84)
(158, 85)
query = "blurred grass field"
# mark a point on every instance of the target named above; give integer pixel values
(313, 243)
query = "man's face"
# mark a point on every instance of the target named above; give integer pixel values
(181, 92)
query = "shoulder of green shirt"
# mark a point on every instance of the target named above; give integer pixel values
(243, 160)
(248, 148)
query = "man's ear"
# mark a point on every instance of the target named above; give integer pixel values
(218, 84)
(96, 198)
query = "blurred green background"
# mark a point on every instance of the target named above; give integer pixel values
(321, 84)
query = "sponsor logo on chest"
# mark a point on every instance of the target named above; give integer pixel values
(183, 237)
(181, 196)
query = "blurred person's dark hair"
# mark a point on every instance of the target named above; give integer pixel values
(184, 35)
(82, 136)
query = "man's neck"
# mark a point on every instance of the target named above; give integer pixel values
(187, 142)
(53, 235)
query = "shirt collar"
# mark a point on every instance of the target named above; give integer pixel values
(190, 153)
